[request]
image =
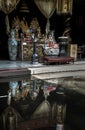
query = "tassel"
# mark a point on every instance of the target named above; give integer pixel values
(7, 24)
(47, 26)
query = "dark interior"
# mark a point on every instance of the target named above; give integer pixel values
(57, 23)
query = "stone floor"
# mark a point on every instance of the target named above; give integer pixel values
(8, 68)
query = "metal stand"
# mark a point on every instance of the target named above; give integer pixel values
(63, 48)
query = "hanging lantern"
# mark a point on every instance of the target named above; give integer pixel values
(0, 4)
(64, 6)
(7, 6)
(24, 8)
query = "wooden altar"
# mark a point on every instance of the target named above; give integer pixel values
(58, 60)
(26, 51)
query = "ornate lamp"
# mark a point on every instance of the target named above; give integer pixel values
(7, 6)
(0, 4)
(64, 7)
(24, 7)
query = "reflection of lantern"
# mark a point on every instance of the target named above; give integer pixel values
(61, 107)
(10, 118)
(64, 6)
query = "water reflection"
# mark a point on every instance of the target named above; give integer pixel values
(61, 101)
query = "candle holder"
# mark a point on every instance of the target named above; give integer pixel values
(34, 59)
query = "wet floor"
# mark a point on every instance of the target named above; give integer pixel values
(30, 98)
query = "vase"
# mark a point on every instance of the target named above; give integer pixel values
(12, 46)
(63, 43)
(51, 48)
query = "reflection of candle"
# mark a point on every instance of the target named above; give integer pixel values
(9, 98)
